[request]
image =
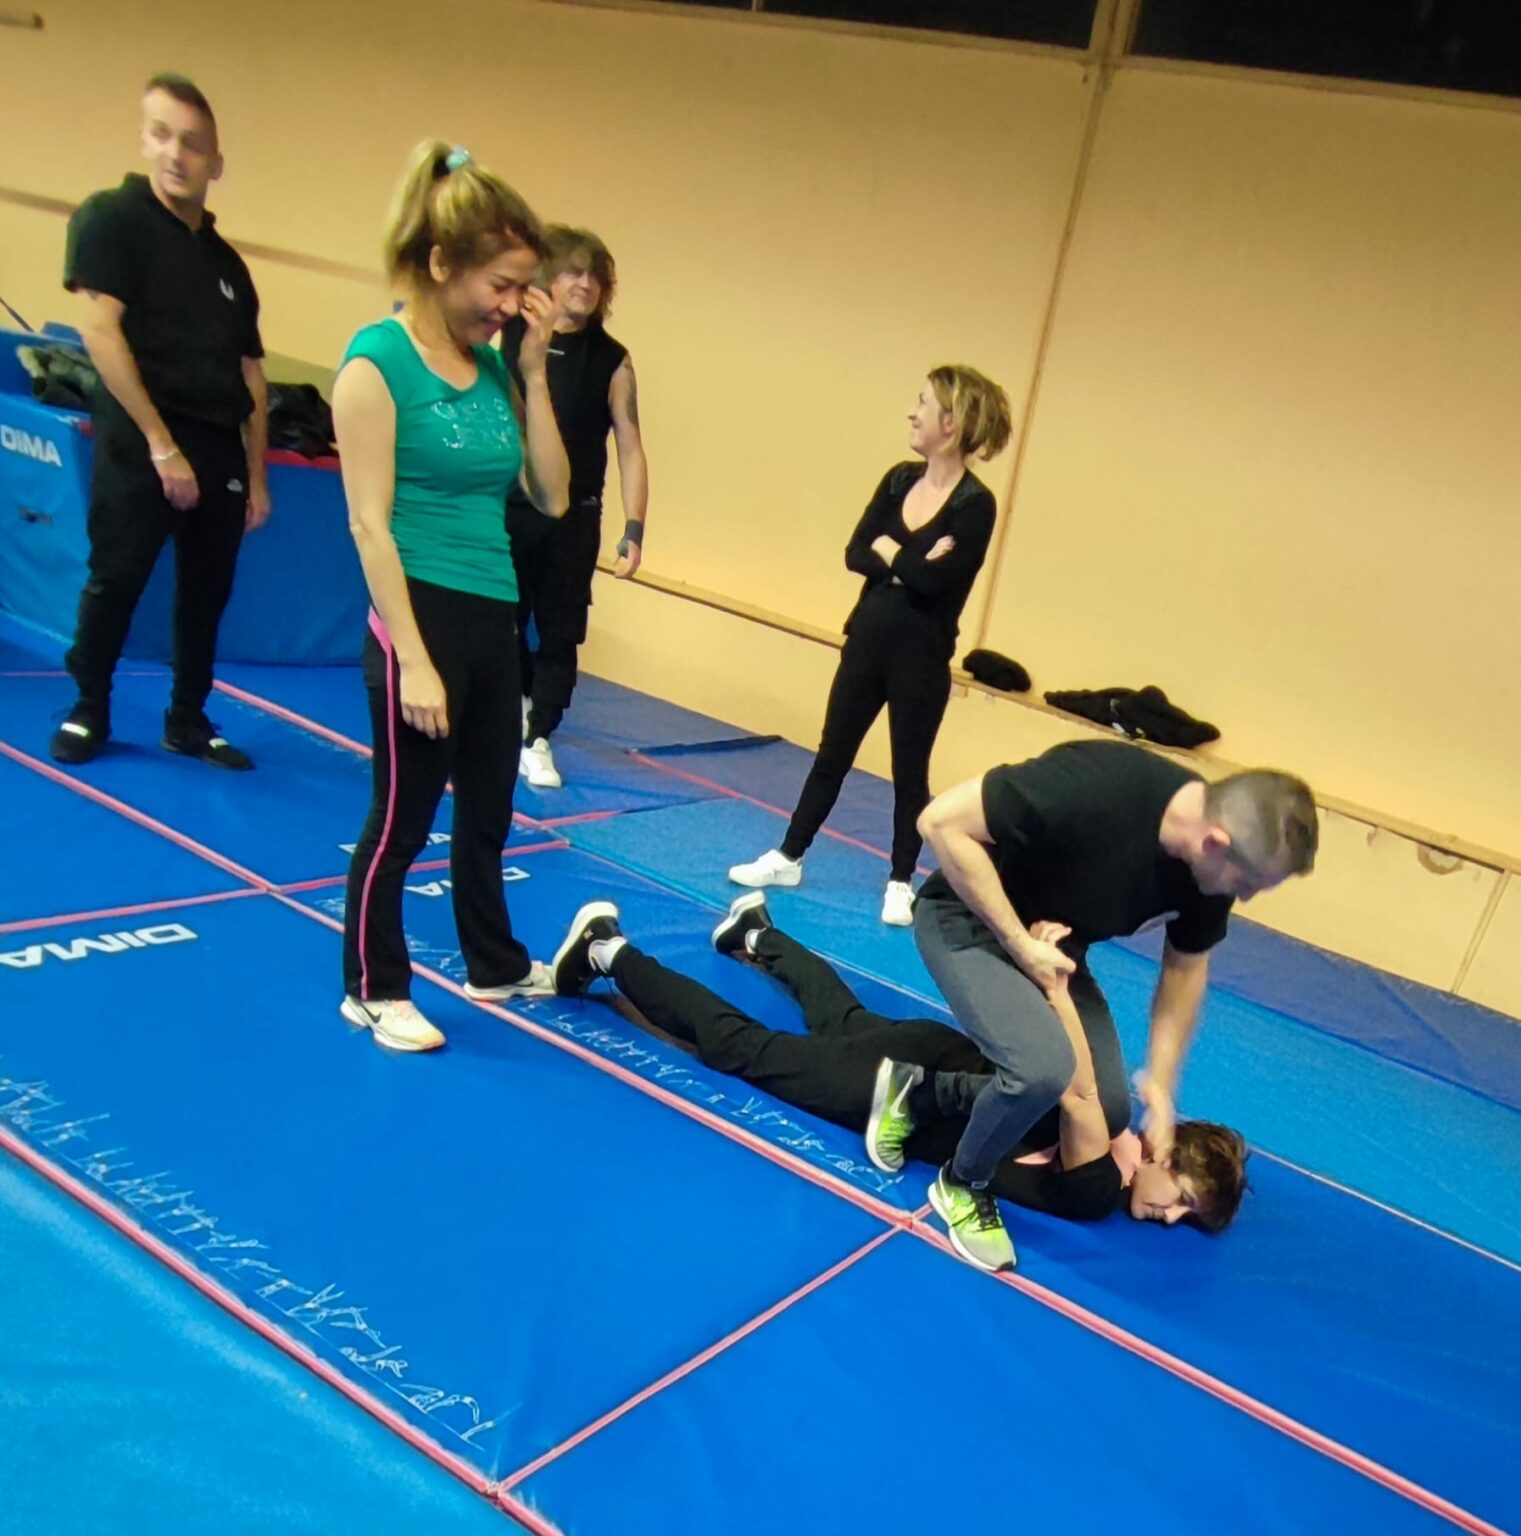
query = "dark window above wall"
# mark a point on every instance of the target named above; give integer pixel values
(1461, 45)
(1065, 23)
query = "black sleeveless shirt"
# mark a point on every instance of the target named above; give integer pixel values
(581, 368)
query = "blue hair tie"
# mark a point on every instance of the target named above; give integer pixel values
(457, 157)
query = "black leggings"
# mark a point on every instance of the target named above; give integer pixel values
(828, 1072)
(472, 643)
(890, 658)
(556, 559)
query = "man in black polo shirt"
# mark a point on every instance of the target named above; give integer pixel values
(592, 387)
(1103, 839)
(171, 321)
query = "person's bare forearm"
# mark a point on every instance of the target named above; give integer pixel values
(547, 466)
(1083, 1128)
(1084, 1082)
(1174, 1017)
(634, 482)
(968, 866)
(117, 367)
(256, 430)
(388, 592)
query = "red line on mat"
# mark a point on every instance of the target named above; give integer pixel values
(105, 913)
(892, 1214)
(765, 805)
(261, 1325)
(422, 866)
(111, 803)
(697, 1361)
(1112, 1332)
(734, 794)
(280, 712)
(570, 821)
(306, 723)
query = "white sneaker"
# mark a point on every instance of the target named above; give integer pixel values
(898, 904)
(773, 868)
(539, 982)
(536, 763)
(396, 1024)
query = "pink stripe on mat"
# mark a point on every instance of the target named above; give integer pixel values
(104, 914)
(892, 1214)
(571, 821)
(111, 803)
(58, 672)
(765, 805)
(280, 712)
(697, 1361)
(423, 866)
(722, 790)
(261, 1325)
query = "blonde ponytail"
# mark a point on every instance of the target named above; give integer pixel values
(448, 201)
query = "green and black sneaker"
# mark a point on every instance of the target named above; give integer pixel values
(971, 1217)
(892, 1121)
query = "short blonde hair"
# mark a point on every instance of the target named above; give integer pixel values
(445, 200)
(978, 406)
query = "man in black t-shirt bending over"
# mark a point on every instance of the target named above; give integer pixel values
(909, 1084)
(1102, 839)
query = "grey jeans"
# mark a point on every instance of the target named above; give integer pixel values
(1014, 1026)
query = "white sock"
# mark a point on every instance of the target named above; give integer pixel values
(602, 952)
(750, 939)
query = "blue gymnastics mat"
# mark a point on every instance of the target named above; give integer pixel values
(867, 1402)
(624, 1293)
(45, 830)
(229, 1435)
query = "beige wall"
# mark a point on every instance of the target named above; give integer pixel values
(1278, 439)
(1273, 462)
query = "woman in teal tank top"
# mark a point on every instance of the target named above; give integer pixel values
(432, 432)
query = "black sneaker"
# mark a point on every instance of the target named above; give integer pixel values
(571, 967)
(747, 915)
(80, 737)
(199, 739)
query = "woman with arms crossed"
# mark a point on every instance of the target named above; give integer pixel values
(919, 546)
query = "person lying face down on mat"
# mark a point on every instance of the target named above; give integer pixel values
(1103, 839)
(908, 1084)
